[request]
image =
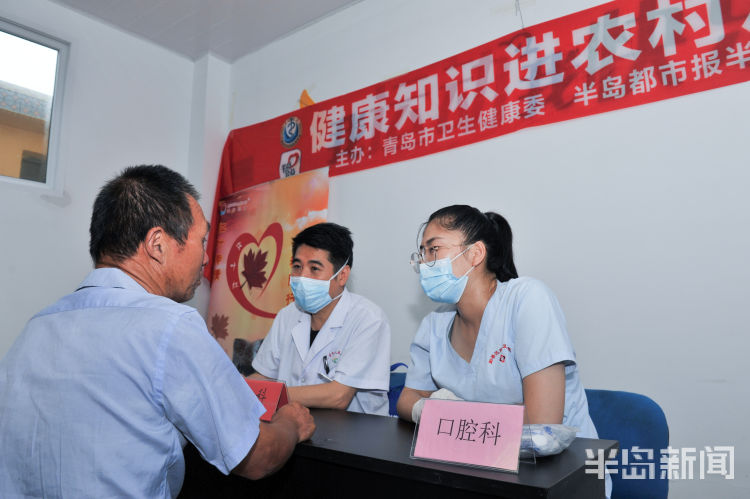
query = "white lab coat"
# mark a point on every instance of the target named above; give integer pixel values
(353, 348)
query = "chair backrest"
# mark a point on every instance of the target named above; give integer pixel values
(396, 385)
(635, 421)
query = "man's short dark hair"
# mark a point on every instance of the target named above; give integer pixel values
(139, 199)
(334, 238)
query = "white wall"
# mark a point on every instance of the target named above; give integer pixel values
(126, 102)
(636, 218)
(208, 132)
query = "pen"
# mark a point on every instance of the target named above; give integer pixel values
(325, 366)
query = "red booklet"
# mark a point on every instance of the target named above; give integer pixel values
(272, 394)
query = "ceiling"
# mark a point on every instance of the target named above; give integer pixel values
(228, 29)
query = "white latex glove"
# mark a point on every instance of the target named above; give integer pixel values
(546, 439)
(416, 410)
(442, 394)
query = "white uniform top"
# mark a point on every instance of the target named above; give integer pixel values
(354, 343)
(522, 332)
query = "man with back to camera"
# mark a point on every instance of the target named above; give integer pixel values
(332, 347)
(101, 391)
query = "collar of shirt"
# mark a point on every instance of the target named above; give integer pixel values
(301, 332)
(336, 319)
(110, 277)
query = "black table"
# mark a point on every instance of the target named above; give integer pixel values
(356, 455)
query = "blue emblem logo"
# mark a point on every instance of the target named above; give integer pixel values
(291, 131)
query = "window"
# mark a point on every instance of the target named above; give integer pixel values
(32, 70)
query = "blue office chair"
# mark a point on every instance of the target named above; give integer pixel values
(633, 420)
(396, 385)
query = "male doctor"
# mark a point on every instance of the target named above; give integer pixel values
(331, 347)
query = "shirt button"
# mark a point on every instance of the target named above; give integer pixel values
(302, 379)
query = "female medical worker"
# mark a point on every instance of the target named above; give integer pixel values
(499, 337)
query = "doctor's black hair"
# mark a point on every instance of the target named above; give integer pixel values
(333, 238)
(490, 228)
(139, 199)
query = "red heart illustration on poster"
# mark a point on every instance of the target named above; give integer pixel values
(253, 267)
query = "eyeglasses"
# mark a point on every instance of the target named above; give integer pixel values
(429, 258)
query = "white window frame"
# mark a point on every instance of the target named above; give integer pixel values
(53, 183)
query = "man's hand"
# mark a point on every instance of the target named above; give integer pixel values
(291, 424)
(298, 415)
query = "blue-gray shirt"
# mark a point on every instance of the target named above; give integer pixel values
(101, 389)
(522, 332)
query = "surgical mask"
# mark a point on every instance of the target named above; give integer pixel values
(312, 294)
(439, 283)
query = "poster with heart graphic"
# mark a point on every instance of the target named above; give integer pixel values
(253, 255)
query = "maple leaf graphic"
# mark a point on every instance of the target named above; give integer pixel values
(254, 274)
(219, 325)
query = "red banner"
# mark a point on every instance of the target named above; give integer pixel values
(621, 54)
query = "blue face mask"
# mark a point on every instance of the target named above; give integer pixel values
(439, 283)
(312, 294)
